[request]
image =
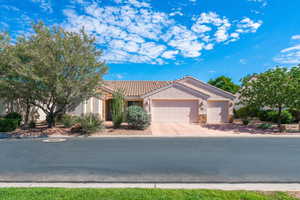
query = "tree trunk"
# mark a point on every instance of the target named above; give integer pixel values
(50, 120)
(279, 119)
(27, 113)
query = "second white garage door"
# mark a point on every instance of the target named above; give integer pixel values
(217, 112)
(183, 111)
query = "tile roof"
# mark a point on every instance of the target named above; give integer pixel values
(135, 88)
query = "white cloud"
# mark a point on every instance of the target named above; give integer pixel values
(119, 76)
(290, 55)
(199, 28)
(44, 4)
(243, 61)
(132, 31)
(247, 25)
(296, 47)
(169, 54)
(209, 46)
(262, 2)
(176, 13)
(296, 37)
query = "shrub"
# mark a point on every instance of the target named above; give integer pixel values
(15, 116)
(264, 126)
(264, 116)
(246, 121)
(8, 125)
(117, 108)
(90, 123)
(32, 124)
(286, 117)
(69, 120)
(137, 118)
(246, 112)
(296, 114)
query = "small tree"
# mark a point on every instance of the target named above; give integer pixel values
(270, 89)
(117, 108)
(64, 69)
(225, 83)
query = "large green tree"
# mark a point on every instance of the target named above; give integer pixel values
(270, 89)
(295, 91)
(225, 83)
(61, 69)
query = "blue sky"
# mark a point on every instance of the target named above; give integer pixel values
(168, 39)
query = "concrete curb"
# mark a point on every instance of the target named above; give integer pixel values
(222, 186)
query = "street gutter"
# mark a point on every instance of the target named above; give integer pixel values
(290, 187)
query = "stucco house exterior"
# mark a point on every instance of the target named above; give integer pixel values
(187, 100)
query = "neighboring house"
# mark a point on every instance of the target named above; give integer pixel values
(186, 100)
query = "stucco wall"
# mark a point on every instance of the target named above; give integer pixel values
(176, 92)
(207, 89)
(93, 105)
(180, 93)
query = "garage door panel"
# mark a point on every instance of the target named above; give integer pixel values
(174, 111)
(217, 112)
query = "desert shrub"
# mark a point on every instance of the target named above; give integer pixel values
(242, 113)
(246, 121)
(264, 126)
(32, 124)
(117, 108)
(272, 116)
(246, 112)
(90, 123)
(8, 125)
(69, 120)
(296, 114)
(15, 116)
(137, 118)
(263, 115)
(286, 117)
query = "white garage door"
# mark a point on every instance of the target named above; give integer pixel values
(183, 111)
(217, 112)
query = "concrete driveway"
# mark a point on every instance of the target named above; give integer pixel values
(184, 129)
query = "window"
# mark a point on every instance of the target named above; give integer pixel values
(134, 103)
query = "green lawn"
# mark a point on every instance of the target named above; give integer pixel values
(133, 194)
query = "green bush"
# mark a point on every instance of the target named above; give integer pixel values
(8, 125)
(296, 115)
(32, 124)
(90, 123)
(286, 117)
(137, 118)
(245, 121)
(272, 116)
(69, 120)
(264, 126)
(246, 112)
(264, 116)
(15, 116)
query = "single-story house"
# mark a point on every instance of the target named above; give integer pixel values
(187, 100)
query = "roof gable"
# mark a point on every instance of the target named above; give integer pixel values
(213, 91)
(179, 87)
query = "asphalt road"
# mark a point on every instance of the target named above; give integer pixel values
(233, 160)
